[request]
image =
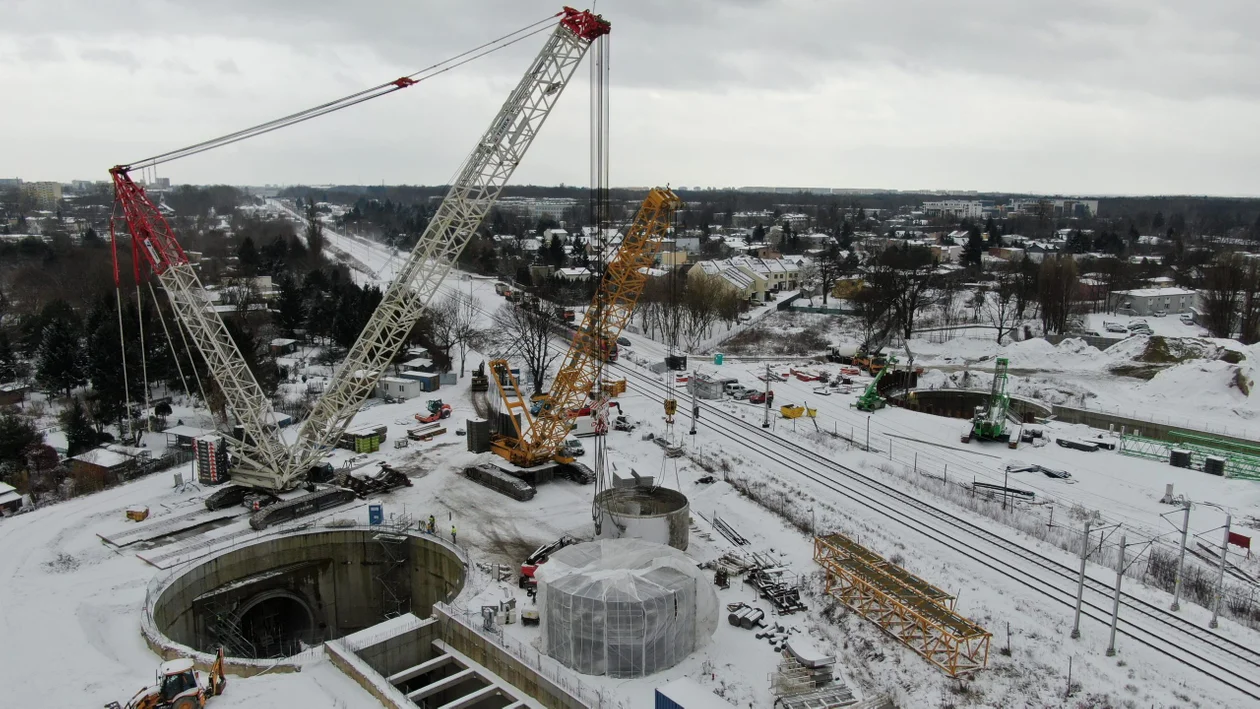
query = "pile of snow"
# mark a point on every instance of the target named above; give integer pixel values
(1185, 385)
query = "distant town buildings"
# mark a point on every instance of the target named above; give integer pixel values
(46, 194)
(535, 207)
(957, 208)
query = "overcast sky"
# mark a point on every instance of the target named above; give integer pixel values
(1047, 96)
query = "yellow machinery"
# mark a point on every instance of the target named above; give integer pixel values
(539, 438)
(179, 686)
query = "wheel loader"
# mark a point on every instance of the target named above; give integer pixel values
(179, 686)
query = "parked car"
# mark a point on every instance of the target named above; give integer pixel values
(1160, 313)
(1140, 327)
(623, 341)
(760, 398)
(1114, 327)
(573, 447)
(1187, 319)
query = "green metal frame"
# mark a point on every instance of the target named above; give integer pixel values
(1240, 460)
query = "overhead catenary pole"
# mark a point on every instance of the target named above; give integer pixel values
(695, 405)
(1220, 576)
(1181, 559)
(1115, 604)
(765, 421)
(1080, 585)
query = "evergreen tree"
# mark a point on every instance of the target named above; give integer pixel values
(973, 252)
(90, 237)
(8, 359)
(290, 306)
(247, 257)
(59, 361)
(759, 233)
(80, 435)
(990, 228)
(103, 363)
(16, 435)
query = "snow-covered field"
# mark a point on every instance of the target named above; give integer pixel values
(70, 597)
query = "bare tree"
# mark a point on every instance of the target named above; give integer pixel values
(700, 310)
(1223, 284)
(436, 329)
(462, 317)
(1057, 283)
(874, 312)
(903, 275)
(999, 305)
(1249, 321)
(530, 331)
(830, 266)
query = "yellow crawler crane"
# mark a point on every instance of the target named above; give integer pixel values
(539, 438)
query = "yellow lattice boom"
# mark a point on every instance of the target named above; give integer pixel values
(612, 308)
(904, 605)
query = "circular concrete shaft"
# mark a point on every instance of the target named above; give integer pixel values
(281, 594)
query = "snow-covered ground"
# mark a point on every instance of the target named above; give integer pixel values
(75, 599)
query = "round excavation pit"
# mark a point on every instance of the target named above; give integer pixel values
(275, 597)
(962, 403)
(655, 514)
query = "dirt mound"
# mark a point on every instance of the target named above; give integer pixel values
(1146, 357)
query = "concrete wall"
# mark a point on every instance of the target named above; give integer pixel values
(494, 658)
(1100, 343)
(962, 403)
(334, 571)
(656, 515)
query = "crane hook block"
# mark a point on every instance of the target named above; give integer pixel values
(585, 25)
(671, 406)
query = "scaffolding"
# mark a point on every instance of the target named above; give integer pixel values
(1242, 460)
(910, 609)
(391, 575)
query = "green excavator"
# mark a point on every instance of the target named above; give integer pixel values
(870, 400)
(989, 422)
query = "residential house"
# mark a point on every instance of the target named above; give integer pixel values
(750, 287)
(1145, 301)
(574, 274)
(10, 500)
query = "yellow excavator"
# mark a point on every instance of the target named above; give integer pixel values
(539, 438)
(179, 686)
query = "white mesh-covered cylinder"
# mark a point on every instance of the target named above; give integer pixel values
(624, 607)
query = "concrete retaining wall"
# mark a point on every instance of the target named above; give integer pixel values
(332, 570)
(496, 659)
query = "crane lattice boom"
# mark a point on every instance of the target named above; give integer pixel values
(246, 402)
(474, 191)
(610, 311)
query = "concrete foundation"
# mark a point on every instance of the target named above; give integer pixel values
(655, 514)
(270, 598)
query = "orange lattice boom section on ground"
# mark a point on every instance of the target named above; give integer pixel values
(907, 607)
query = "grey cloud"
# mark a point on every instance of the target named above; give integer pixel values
(38, 50)
(227, 66)
(119, 57)
(1172, 48)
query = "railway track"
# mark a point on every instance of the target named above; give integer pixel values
(1177, 638)
(967, 538)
